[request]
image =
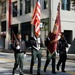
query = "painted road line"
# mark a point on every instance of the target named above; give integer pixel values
(3, 60)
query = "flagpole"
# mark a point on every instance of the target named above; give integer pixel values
(32, 9)
(7, 34)
(8, 24)
(50, 14)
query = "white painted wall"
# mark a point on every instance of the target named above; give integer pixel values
(67, 18)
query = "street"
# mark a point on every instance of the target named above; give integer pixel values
(7, 63)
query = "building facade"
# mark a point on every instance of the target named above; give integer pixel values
(22, 11)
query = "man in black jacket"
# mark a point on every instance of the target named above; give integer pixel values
(19, 49)
(62, 44)
(35, 47)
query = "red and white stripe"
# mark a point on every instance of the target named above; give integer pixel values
(36, 18)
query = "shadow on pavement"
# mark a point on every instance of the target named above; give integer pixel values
(26, 72)
(47, 73)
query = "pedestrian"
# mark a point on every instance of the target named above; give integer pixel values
(36, 43)
(19, 51)
(49, 55)
(62, 44)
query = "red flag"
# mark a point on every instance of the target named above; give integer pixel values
(36, 18)
(9, 14)
(57, 25)
(56, 30)
(53, 43)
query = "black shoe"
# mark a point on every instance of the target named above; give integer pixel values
(21, 74)
(38, 74)
(54, 72)
(31, 72)
(63, 71)
(44, 70)
(57, 68)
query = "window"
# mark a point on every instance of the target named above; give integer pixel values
(68, 35)
(14, 28)
(3, 26)
(15, 9)
(21, 6)
(66, 4)
(27, 6)
(73, 5)
(45, 4)
(3, 4)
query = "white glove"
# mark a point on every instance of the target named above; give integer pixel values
(24, 55)
(38, 49)
(18, 47)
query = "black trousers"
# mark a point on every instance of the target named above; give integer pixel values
(49, 57)
(62, 60)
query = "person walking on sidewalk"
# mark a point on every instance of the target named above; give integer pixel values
(49, 55)
(35, 49)
(19, 50)
(62, 44)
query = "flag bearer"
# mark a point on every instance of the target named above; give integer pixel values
(35, 48)
(51, 54)
(19, 50)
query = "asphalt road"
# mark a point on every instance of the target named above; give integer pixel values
(7, 63)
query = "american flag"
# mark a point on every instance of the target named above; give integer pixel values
(36, 18)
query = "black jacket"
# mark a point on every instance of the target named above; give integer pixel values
(62, 44)
(47, 41)
(22, 47)
(33, 43)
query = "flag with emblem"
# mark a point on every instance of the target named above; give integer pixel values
(56, 31)
(36, 18)
(9, 14)
(57, 25)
